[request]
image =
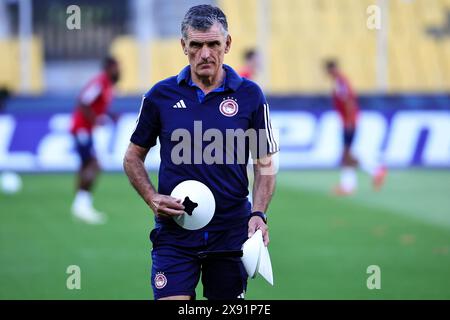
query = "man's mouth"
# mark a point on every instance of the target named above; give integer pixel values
(205, 65)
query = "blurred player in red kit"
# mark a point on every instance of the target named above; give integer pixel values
(249, 71)
(92, 110)
(251, 65)
(345, 103)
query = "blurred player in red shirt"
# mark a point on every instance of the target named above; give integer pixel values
(251, 65)
(249, 71)
(92, 110)
(346, 104)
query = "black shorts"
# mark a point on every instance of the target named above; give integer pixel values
(84, 145)
(176, 267)
(348, 136)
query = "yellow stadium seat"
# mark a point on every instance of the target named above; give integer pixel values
(302, 33)
(10, 65)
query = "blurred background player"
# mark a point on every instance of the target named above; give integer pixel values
(251, 64)
(249, 71)
(10, 182)
(92, 110)
(346, 104)
(4, 95)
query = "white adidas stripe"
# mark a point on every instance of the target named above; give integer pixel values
(274, 139)
(140, 112)
(273, 147)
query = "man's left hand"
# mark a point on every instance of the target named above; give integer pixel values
(257, 223)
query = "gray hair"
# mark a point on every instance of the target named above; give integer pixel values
(202, 17)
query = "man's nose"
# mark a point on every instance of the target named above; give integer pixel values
(205, 53)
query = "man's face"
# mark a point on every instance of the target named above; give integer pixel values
(206, 50)
(331, 71)
(254, 62)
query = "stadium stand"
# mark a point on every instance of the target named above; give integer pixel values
(304, 32)
(10, 65)
(301, 34)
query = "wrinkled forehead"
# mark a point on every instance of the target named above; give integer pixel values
(214, 33)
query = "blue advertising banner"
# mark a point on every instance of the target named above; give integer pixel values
(309, 137)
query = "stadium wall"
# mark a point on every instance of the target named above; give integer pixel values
(402, 131)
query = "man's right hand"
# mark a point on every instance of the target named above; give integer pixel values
(166, 206)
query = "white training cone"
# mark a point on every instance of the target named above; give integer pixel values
(199, 204)
(265, 265)
(256, 258)
(251, 250)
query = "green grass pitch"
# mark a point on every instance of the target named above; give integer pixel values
(321, 245)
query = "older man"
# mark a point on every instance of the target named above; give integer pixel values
(211, 94)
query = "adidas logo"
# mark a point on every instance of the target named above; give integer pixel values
(180, 105)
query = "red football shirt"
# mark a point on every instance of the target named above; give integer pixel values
(343, 94)
(97, 95)
(247, 73)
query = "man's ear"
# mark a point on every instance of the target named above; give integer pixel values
(228, 44)
(183, 45)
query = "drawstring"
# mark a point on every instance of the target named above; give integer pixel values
(205, 237)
